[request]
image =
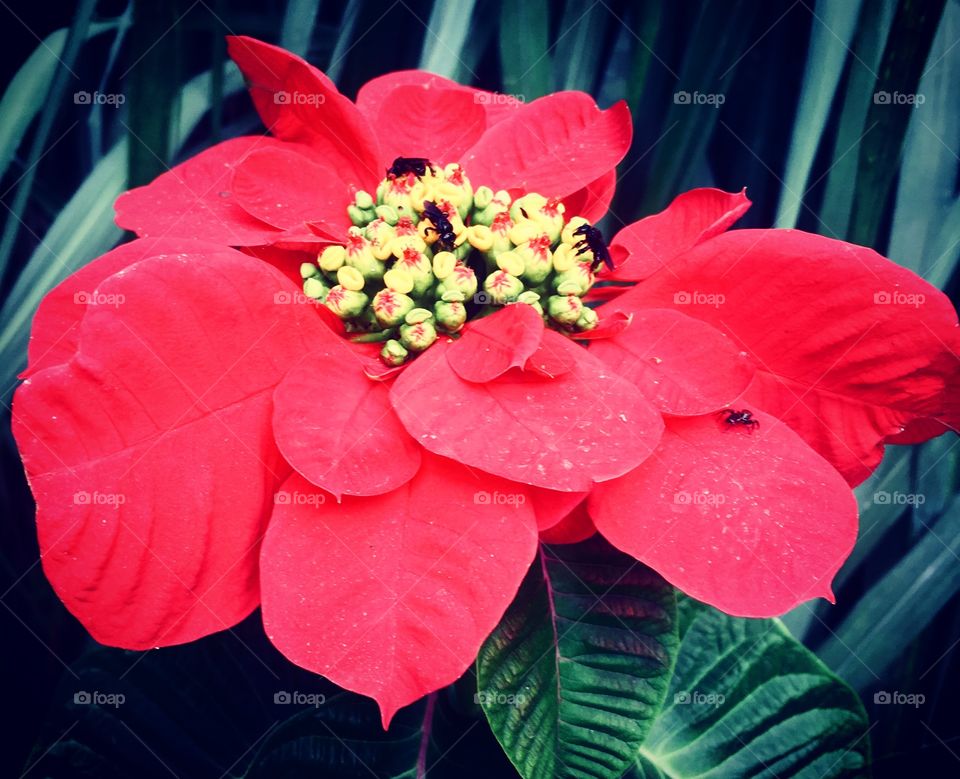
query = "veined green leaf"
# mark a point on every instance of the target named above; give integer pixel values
(574, 674)
(747, 699)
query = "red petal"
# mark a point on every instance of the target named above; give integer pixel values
(298, 103)
(492, 345)
(593, 201)
(572, 529)
(286, 189)
(752, 521)
(373, 94)
(53, 339)
(150, 453)
(336, 427)
(564, 434)
(552, 358)
(682, 365)
(689, 220)
(554, 146)
(392, 596)
(194, 200)
(609, 326)
(424, 121)
(841, 353)
(550, 506)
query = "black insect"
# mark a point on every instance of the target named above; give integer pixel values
(743, 418)
(404, 165)
(592, 241)
(446, 237)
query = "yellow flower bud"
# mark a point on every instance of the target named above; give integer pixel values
(332, 258)
(398, 280)
(350, 278)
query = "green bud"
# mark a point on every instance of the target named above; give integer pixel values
(451, 315)
(453, 296)
(346, 303)
(388, 214)
(482, 197)
(501, 288)
(462, 280)
(579, 277)
(363, 200)
(588, 319)
(357, 215)
(391, 307)
(394, 353)
(309, 270)
(531, 298)
(419, 336)
(565, 309)
(417, 315)
(316, 289)
(369, 266)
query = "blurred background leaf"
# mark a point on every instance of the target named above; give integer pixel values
(784, 98)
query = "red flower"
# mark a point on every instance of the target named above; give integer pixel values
(201, 438)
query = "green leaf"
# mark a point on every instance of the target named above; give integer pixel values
(833, 27)
(446, 36)
(868, 43)
(747, 699)
(899, 606)
(524, 54)
(576, 671)
(914, 24)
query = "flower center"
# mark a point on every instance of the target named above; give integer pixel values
(428, 252)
